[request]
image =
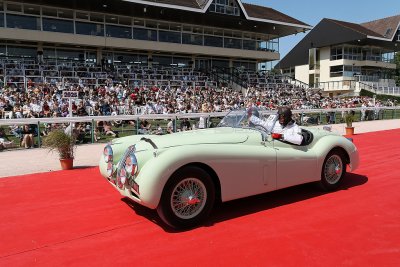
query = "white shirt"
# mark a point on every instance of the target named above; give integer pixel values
(291, 133)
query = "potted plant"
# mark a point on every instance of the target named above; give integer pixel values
(64, 144)
(349, 118)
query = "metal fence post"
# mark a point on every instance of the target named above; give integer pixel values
(92, 131)
(137, 125)
(38, 134)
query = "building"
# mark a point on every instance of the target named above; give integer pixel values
(343, 58)
(181, 33)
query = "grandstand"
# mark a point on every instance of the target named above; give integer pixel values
(194, 34)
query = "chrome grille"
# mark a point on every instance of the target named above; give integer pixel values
(121, 163)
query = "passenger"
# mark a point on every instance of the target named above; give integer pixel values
(284, 129)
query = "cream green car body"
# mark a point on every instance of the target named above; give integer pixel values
(236, 162)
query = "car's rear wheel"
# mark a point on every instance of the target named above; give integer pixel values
(333, 170)
(187, 198)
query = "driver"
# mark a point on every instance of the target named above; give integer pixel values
(284, 129)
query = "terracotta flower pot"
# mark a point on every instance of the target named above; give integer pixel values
(67, 164)
(349, 130)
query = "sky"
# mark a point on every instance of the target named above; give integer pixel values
(312, 12)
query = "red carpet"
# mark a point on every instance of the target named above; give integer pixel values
(74, 218)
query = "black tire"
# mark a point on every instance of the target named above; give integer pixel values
(333, 170)
(179, 206)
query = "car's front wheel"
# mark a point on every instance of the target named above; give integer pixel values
(187, 199)
(333, 170)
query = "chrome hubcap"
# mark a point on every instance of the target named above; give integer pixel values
(333, 169)
(188, 198)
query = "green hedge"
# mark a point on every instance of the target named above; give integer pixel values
(379, 97)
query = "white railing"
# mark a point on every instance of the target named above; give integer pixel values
(395, 91)
(176, 116)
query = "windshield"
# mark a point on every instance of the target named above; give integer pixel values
(238, 119)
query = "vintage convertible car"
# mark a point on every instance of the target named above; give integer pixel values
(182, 175)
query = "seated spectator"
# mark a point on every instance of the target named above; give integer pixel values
(185, 124)
(80, 131)
(96, 134)
(159, 130)
(4, 141)
(17, 111)
(108, 130)
(170, 126)
(27, 136)
(81, 110)
(8, 110)
(144, 127)
(96, 110)
(16, 131)
(46, 109)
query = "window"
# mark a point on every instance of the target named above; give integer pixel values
(21, 51)
(14, 7)
(352, 53)
(170, 37)
(336, 71)
(118, 32)
(227, 7)
(69, 55)
(32, 10)
(336, 53)
(351, 71)
(23, 22)
(82, 15)
(66, 14)
(96, 17)
(232, 43)
(162, 60)
(58, 25)
(213, 41)
(249, 44)
(144, 34)
(51, 12)
(193, 39)
(89, 28)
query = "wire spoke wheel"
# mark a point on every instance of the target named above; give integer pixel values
(333, 169)
(188, 198)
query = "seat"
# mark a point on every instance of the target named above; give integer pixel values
(308, 137)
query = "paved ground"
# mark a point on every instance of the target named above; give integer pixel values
(26, 161)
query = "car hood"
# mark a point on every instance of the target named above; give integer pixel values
(223, 135)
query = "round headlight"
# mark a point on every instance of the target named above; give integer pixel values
(131, 164)
(121, 178)
(109, 169)
(108, 154)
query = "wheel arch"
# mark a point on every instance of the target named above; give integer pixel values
(343, 151)
(210, 171)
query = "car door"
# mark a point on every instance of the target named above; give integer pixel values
(295, 164)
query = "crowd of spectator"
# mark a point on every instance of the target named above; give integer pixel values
(116, 97)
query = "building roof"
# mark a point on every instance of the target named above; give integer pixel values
(252, 12)
(357, 27)
(267, 13)
(183, 3)
(385, 27)
(330, 32)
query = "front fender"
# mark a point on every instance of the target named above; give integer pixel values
(155, 173)
(325, 144)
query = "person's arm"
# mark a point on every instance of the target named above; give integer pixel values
(257, 121)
